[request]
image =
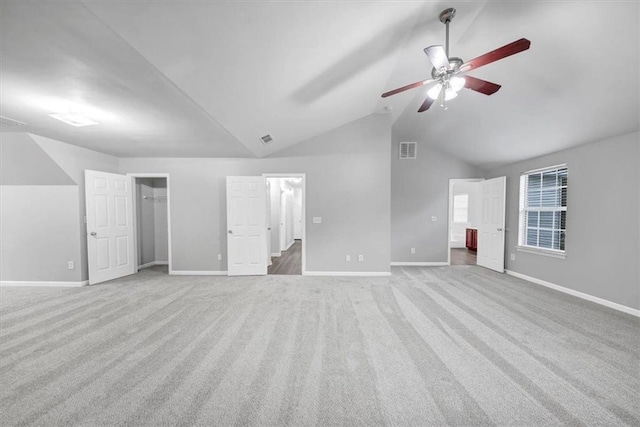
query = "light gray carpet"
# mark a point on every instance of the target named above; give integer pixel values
(427, 346)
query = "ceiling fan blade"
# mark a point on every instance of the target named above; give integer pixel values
(480, 85)
(495, 55)
(407, 87)
(425, 105)
(437, 56)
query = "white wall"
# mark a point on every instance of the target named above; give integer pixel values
(289, 216)
(160, 220)
(603, 231)
(348, 185)
(145, 213)
(274, 193)
(457, 231)
(297, 211)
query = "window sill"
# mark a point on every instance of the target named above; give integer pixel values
(544, 252)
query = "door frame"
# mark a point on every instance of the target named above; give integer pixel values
(453, 181)
(303, 176)
(135, 213)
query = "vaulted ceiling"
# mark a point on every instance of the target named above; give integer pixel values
(192, 78)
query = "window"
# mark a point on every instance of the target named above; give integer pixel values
(461, 208)
(543, 209)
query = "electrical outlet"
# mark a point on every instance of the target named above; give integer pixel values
(360, 258)
(219, 257)
(348, 258)
(413, 251)
(434, 218)
(513, 257)
(70, 265)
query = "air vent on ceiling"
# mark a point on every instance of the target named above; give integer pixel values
(10, 122)
(408, 150)
(266, 139)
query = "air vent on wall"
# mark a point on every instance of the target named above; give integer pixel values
(10, 122)
(408, 150)
(266, 139)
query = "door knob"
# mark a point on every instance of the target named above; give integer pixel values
(93, 233)
(230, 232)
(499, 229)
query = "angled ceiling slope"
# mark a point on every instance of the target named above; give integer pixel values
(558, 94)
(185, 78)
(59, 57)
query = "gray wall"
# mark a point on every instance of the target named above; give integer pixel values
(74, 160)
(348, 185)
(38, 214)
(420, 190)
(42, 212)
(603, 237)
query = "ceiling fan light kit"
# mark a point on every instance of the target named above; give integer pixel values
(449, 73)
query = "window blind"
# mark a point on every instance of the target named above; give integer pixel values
(543, 208)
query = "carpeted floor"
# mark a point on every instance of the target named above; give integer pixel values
(427, 346)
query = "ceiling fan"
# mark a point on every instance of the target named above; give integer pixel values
(450, 72)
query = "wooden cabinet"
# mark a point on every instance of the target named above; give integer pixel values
(472, 239)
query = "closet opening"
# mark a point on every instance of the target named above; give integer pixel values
(152, 225)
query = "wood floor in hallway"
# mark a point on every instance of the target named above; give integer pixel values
(290, 262)
(463, 256)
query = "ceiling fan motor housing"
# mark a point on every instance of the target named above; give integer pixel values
(454, 67)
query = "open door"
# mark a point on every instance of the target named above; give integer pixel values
(491, 229)
(109, 226)
(246, 226)
(268, 221)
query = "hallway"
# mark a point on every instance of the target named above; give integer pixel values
(290, 262)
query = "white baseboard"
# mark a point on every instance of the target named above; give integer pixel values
(597, 300)
(347, 273)
(419, 264)
(162, 262)
(58, 284)
(276, 254)
(197, 273)
(290, 244)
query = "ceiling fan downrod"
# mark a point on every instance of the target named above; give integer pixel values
(445, 17)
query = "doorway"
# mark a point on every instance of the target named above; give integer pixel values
(152, 223)
(286, 223)
(465, 210)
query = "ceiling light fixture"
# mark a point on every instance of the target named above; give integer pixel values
(74, 119)
(453, 86)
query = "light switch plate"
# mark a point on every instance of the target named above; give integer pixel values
(360, 258)
(317, 220)
(434, 218)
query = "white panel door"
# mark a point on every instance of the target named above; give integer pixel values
(109, 226)
(268, 220)
(297, 213)
(491, 229)
(246, 226)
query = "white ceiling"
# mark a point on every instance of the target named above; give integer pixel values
(192, 78)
